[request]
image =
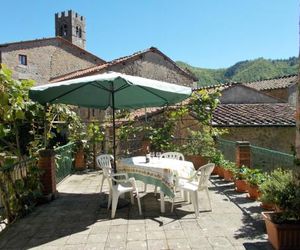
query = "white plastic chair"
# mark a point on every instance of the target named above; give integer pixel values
(198, 182)
(117, 186)
(173, 155)
(104, 162)
(169, 155)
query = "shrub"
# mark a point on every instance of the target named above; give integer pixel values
(240, 173)
(255, 177)
(282, 188)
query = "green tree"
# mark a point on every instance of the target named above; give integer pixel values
(21, 135)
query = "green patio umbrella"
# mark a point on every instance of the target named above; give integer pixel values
(114, 90)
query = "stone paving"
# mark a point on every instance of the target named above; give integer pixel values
(76, 221)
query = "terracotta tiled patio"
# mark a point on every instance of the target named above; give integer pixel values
(76, 221)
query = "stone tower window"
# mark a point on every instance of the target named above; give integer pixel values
(61, 30)
(78, 31)
(65, 30)
(22, 59)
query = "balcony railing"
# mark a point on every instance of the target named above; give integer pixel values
(64, 161)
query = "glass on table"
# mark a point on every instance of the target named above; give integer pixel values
(152, 155)
(158, 155)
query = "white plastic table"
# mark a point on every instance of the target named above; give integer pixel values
(161, 172)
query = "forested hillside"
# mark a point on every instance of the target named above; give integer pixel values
(245, 71)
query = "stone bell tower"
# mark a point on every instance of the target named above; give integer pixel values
(71, 27)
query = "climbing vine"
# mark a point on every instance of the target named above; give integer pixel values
(22, 135)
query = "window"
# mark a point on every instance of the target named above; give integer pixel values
(61, 30)
(78, 31)
(65, 30)
(22, 60)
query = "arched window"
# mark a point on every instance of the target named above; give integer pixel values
(77, 31)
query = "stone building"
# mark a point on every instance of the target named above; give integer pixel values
(260, 112)
(248, 115)
(43, 59)
(71, 27)
(268, 125)
(150, 63)
(64, 57)
(283, 88)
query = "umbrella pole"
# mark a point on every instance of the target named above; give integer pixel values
(114, 131)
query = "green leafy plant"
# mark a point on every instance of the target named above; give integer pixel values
(240, 173)
(255, 177)
(216, 157)
(282, 188)
(22, 135)
(201, 141)
(162, 137)
(203, 103)
(228, 165)
(19, 195)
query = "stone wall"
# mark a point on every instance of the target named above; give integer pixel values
(276, 138)
(292, 95)
(241, 94)
(46, 59)
(282, 94)
(154, 66)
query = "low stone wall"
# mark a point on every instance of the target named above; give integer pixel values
(276, 138)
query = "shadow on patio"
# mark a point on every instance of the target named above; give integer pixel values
(76, 221)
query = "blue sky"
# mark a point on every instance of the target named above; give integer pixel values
(204, 33)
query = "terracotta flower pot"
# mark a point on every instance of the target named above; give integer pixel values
(240, 186)
(267, 206)
(79, 159)
(221, 172)
(215, 171)
(228, 175)
(145, 145)
(282, 236)
(197, 160)
(253, 192)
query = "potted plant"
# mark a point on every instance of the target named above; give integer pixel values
(79, 158)
(228, 170)
(265, 201)
(283, 225)
(198, 148)
(200, 144)
(221, 168)
(240, 179)
(217, 158)
(254, 178)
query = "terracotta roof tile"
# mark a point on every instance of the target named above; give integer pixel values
(103, 67)
(267, 114)
(238, 115)
(275, 83)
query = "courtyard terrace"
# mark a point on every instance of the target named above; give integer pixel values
(76, 220)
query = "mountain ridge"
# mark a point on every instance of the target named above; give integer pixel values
(245, 71)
